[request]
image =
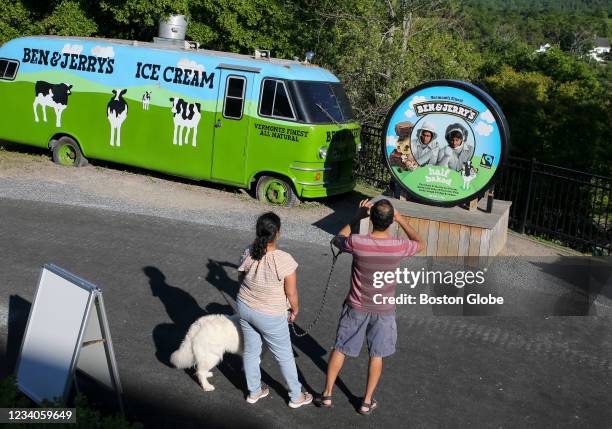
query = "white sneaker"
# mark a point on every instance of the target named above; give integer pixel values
(262, 394)
(306, 399)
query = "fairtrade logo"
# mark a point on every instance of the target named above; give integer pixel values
(486, 161)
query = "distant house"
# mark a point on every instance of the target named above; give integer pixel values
(543, 48)
(602, 46)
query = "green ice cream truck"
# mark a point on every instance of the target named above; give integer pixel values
(284, 128)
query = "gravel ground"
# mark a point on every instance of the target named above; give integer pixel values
(28, 173)
(242, 219)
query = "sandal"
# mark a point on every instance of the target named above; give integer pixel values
(368, 407)
(306, 399)
(319, 401)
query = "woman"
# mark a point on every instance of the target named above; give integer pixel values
(267, 282)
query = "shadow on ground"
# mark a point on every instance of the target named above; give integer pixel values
(34, 150)
(183, 310)
(587, 277)
(18, 312)
(344, 207)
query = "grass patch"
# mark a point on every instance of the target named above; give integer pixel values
(554, 243)
(367, 189)
(309, 204)
(86, 415)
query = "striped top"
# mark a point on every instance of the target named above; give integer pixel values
(263, 286)
(370, 255)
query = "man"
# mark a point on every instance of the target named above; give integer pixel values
(425, 147)
(458, 151)
(362, 317)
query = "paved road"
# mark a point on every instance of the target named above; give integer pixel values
(515, 368)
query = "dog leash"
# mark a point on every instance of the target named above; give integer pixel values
(327, 287)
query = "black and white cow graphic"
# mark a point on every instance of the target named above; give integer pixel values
(469, 173)
(146, 99)
(186, 115)
(52, 95)
(116, 111)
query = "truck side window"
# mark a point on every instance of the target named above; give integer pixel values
(8, 69)
(234, 97)
(274, 100)
(267, 97)
(282, 107)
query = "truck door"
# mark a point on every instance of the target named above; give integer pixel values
(231, 126)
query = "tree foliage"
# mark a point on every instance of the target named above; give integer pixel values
(557, 103)
(563, 115)
(379, 49)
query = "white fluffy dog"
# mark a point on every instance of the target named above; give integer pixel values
(207, 340)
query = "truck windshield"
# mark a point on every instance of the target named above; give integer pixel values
(323, 102)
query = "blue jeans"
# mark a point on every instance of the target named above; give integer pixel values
(275, 332)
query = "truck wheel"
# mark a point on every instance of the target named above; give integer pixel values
(275, 191)
(66, 151)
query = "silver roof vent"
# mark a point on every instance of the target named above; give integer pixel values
(174, 27)
(172, 33)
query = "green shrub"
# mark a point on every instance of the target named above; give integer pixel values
(86, 416)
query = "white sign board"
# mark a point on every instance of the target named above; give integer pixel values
(67, 329)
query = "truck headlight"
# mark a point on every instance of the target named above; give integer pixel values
(323, 152)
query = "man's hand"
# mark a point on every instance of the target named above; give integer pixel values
(364, 209)
(397, 216)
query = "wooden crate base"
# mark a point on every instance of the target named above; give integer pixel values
(454, 231)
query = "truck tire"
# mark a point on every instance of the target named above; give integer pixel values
(277, 191)
(66, 151)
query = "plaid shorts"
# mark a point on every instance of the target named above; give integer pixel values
(354, 326)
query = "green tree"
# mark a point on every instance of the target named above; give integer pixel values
(244, 25)
(558, 110)
(15, 21)
(380, 49)
(523, 97)
(133, 19)
(67, 19)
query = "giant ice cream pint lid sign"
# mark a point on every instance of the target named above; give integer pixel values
(445, 141)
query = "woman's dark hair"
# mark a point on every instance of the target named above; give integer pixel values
(268, 225)
(381, 215)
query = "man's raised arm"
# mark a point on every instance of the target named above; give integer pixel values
(362, 212)
(410, 231)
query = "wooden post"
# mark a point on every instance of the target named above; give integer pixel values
(474, 204)
(490, 197)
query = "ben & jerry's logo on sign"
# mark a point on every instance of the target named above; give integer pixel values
(456, 109)
(444, 142)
